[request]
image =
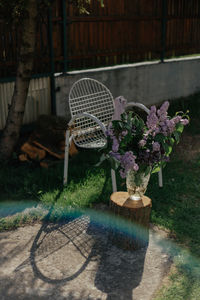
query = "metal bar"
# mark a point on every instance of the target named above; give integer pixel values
(140, 105)
(64, 22)
(52, 62)
(160, 178)
(66, 160)
(113, 18)
(114, 183)
(164, 29)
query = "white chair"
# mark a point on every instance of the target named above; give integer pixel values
(92, 107)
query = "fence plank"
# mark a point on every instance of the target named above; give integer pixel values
(123, 31)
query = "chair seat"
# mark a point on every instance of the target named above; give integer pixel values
(92, 145)
(90, 140)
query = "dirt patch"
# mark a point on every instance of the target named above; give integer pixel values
(76, 260)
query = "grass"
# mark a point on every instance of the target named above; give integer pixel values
(177, 206)
(27, 193)
(22, 184)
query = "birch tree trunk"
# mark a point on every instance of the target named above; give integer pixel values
(14, 121)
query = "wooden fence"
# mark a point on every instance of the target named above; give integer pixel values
(124, 31)
(38, 100)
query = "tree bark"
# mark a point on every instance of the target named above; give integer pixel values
(14, 121)
(130, 229)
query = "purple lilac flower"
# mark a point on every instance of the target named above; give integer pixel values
(166, 125)
(142, 143)
(159, 122)
(135, 167)
(156, 131)
(176, 119)
(153, 109)
(164, 107)
(170, 125)
(152, 119)
(156, 146)
(120, 103)
(184, 121)
(124, 132)
(128, 163)
(109, 131)
(128, 159)
(162, 112)
(115, 155)
(162, 123)
(115, 145)
(122, 173)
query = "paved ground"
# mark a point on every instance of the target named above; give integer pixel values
(76, 260)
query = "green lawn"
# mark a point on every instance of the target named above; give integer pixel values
(25, 184)
(28, 193)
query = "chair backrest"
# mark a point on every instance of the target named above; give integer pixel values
(91, 96)
(136, 104)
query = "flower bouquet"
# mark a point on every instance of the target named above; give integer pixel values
(138, 148)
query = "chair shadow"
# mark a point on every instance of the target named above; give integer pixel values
(119, 271)
(62, 251)
(53, 237)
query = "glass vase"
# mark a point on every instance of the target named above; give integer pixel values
(136, 184)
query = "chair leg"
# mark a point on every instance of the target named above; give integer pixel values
(66, 159)
(114, 184)
(160, 178)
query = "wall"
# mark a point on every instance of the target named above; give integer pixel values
(147, 82)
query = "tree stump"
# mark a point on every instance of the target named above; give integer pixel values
(130, 226)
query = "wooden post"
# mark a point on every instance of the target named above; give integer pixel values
(130, 229)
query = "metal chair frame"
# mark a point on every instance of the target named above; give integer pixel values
(92, 107)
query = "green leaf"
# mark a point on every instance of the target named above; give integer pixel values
(160, 138)
(158, 166)
(171, 141)
(156, 169)
(129, 118)
(167, 148)
(177, 136)
(179, 127)
(170, 150)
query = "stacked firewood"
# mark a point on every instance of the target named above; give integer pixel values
(47, 143)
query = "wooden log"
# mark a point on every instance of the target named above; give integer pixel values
(33, 152)
(23, 157)
(72, 149)
(130, 229)
(48, 148)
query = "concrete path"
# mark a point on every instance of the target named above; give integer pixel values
(76, 260)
